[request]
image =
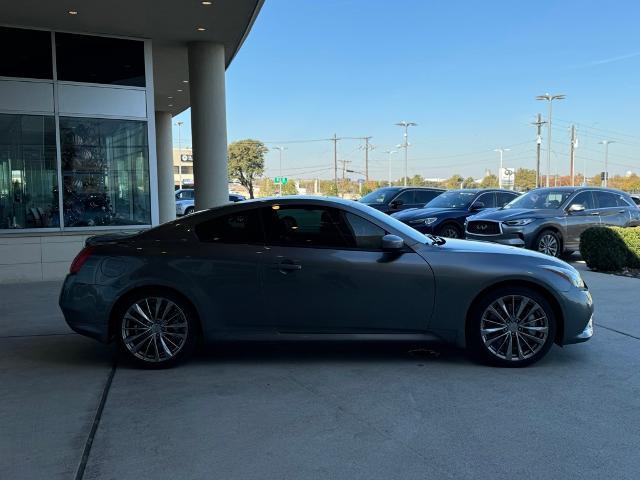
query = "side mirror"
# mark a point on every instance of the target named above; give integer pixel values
(392, 243)
(576, 208)
(477, 206)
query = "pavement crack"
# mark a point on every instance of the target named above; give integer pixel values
(618, 331)
(96, 423)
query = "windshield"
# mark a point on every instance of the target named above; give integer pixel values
(382, 195)
(540, 199)
(452, 199)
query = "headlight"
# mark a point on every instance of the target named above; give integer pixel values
(423, 221)
(572, 276)
(519, 222)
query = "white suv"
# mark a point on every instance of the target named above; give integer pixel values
(185, 199)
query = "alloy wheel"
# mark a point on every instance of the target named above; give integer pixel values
(548, 244)
(450, 232)
(514, 328)
(154, 329)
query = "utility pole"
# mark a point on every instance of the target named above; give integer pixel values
(572, 155)
(344, 167)
(335, 160)
(405, 145)
(549, 99)
(538, 123)
(605, 181)
(367, 147)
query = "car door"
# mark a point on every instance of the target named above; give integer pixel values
(578, 221)
(325, 272)
(404, 200)
(610, 212)
(484, 200)
(502, 198)
(226, 264)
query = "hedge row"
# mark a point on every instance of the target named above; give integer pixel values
(611, 248)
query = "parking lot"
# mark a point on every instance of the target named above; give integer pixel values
(287, 411)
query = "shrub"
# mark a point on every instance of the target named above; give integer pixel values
(610, 248)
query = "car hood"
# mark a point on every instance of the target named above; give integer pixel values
(416, 213)
(513, 213)
(480, 248)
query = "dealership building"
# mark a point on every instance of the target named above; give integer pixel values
(88, 90)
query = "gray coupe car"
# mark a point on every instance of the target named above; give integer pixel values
(551, 220)
(314, 268)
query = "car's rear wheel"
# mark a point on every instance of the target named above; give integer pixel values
(157, 331)
(189, 210)
(450, 230)
(512, 327)
(549, 243)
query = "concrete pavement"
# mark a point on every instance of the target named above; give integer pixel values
(374, 411)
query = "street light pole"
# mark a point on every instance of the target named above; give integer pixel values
(549, 98)
(389, 153)
(405, 145)
(179, 124)
(280, 149)
(606, 143)
(501, 151)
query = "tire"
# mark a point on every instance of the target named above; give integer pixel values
(450, 230)
(156, 329)
(549, 243)
(189, 210)
(527, 334)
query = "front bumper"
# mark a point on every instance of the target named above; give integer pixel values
(578, 316)
(504, 239)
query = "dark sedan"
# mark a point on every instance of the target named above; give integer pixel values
(445, 215)
(550, 220)
(312, 268)
(394, 199)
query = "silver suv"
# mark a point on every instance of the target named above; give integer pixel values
(185, 200)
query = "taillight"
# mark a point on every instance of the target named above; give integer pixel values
(82, 257)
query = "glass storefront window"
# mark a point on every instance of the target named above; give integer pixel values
(94, 59)
(28, 172)
(105, 172)
(26, 53)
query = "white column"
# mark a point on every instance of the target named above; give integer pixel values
(208, 123)
(164, 149)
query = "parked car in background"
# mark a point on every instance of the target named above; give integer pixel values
(185, 200)
(344, 271)
(636, 199)
(445, 215)
(394, 199)
(550, 220)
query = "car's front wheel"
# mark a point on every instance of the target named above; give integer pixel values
(450, 230)
(189, 210)
(512, 327)
(549, 243)
(157, 330)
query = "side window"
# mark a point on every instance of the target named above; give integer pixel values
(622, 201)
(502, 198)
(235, 228)
(584, 198)
(306, 226)
(367, 235)
(488, 199)
(606, 200)
(405, 198)
(425, 196)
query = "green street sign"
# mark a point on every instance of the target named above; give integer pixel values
(282, 180)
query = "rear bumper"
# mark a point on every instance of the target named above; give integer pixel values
(85, 309)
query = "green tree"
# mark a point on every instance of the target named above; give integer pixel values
(490, 181)
(246, 162)
(525, 179)
(468, 182)
(453, 182)
(329, 189)
(289, 188)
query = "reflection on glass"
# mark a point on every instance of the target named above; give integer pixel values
(105, 172)
(28, 173)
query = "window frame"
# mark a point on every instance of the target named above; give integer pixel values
(319, 247)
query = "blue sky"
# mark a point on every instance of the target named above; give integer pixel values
(466, 71)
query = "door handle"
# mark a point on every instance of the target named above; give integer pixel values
(594, 213)
(622, 211)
